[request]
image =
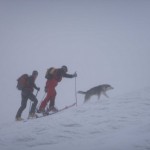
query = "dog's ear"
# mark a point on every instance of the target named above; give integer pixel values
(110, 87)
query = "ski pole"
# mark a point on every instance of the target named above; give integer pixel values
(76, 90)
(36, 93)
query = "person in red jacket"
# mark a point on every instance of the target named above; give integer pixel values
(54, 76)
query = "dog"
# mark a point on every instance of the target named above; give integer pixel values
(98, 90)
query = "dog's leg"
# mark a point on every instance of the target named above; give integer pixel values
(86, 98)
(105, 94)
(99, 95)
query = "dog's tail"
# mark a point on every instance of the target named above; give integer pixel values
(81, 92)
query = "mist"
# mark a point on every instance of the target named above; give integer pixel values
(103, 41)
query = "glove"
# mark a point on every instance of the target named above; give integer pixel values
(38, 89)
(75, 74)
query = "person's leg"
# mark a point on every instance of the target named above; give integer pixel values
(52, 105)
(52, 102)
(44, 102)
(22, 107)
(33, 98)
(51, 84)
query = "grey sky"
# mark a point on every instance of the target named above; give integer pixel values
(104, 41)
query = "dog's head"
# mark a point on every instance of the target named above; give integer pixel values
(107, 87)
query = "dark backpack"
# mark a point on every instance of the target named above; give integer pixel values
(50, 73)
(22, 81)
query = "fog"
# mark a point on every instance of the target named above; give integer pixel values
(103, 41)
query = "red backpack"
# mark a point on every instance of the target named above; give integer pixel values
(22, 81)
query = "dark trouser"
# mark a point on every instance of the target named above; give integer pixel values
(25, 96)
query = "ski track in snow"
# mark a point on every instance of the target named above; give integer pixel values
(120, 123)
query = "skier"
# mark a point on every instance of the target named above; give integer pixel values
(27, 93)
(53, 77)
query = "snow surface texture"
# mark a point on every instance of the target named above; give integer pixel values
(120, 123)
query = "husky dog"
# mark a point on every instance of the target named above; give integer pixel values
(98, 90)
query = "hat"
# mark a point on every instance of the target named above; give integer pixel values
(64, 68)
(35, 73)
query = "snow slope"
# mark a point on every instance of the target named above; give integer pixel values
(119, 123)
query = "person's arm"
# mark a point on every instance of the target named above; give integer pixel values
(32, 82)
(70, 75)
(37, 88)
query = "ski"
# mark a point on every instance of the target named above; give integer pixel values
(64, 108)
(51, 113)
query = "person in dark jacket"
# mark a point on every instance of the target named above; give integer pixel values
(27, 93)
(55, 76)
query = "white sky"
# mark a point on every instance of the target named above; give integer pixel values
(104, 41)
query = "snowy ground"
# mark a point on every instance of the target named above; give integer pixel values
(120, 123)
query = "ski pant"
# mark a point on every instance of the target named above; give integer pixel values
(51, 94)
(45, 101)
(25, 96)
